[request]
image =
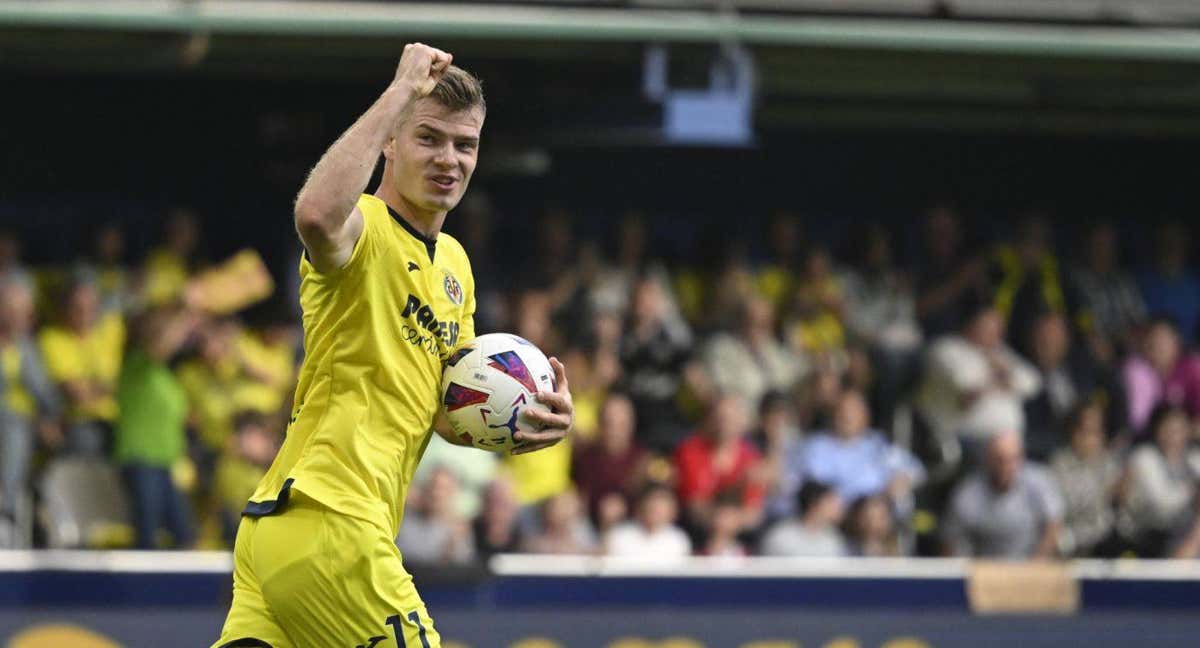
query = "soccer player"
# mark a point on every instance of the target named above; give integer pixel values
(386, 298)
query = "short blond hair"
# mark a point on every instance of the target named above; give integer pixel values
(459, 90)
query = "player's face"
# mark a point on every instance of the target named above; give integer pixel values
(433, 155)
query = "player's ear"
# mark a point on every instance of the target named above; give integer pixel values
(389, 149)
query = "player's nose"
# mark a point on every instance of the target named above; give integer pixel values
(444, 156)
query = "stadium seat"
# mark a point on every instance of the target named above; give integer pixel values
(83, 505)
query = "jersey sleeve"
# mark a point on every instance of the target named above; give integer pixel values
(466, 323)
(364, 248)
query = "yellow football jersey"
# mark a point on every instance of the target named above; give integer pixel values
(376, 334)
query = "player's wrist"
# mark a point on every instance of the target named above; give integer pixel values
(400, 92)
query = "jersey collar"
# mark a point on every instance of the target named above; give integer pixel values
(430, 243)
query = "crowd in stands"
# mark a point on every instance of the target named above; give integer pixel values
(1007, 397)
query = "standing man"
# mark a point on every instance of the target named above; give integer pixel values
(386, 298)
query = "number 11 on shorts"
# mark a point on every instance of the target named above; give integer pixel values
(398, 629)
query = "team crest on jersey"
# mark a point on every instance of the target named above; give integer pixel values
(453, 289)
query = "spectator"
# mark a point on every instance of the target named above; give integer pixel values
(1010, 509)
(975, 386)
(818, 396)
(211, 381)
(150, 435)
(612, 465)
(1088, 475)
(779, 438)
(610, 511)
(655, 353)
(1111, 306)
(588, 391)
(813, 532)
(473, 469)
(949, 278)
(776, 279)
(434, 533)
(870, 528)
(112, 276)
(730, 279)
(1027, 278)
(496, 528)
(752, 362)
(881, 314)
(1172, 288)
(721, 536)
(818, 308)
(168, 268)
(83, 356)
(857, 461)
(219, 383)
(538, 476)
(1158, 502)
(564, 527)
(10, 255)
(241, 468)
(613, 288)
(718, 459)
(653, 534)
(1160, 373)
(1065, 379)
(26, 396)
(267, 357)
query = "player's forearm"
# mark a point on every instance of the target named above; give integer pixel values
(341, 175)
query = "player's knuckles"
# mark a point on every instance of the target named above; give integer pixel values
(550, 398)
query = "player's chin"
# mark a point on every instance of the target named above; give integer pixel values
(443, 202)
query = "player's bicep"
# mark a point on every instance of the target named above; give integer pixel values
(330, 247)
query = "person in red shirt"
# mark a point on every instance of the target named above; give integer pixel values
(613, 467)
(718, 460)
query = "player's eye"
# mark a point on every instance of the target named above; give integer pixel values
(466, 147)
(425, 138)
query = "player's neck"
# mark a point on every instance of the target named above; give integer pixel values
(428, 223)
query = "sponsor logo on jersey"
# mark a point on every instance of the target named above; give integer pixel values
(436, 336)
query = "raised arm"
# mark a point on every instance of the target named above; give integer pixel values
(326, 218)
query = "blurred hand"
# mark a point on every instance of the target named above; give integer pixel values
(421, 67)
(556, 423)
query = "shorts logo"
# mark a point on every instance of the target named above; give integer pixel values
(453, 289)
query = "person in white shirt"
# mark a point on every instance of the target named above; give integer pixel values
(1009, 509)
(751, 361)
(814, 532)
(975, 386)
(653, 533)
(1162, 485)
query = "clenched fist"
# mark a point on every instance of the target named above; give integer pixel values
(421, 67)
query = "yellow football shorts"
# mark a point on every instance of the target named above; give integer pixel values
(312, 578)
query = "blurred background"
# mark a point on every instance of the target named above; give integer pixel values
(856, 297)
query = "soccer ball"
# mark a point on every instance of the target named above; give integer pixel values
(487, 386)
